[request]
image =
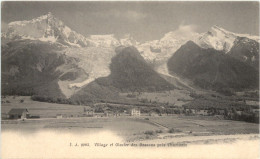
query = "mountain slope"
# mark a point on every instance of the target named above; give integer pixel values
(246, 50)
(129, 72)
(34, 67)
(158, 52)
(212, 69)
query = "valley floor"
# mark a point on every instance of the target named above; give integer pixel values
(176, 130)
(134, 129)
(175, 136)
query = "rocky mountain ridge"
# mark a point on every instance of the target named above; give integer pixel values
(83, 60)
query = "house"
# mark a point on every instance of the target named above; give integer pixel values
(153, 113)
(116, 114)
(135, 112)
(240, 93)
(250, 102)
(202, 112)
(59, 116)
(4, 116)
(239, 112)
(221, 112)
(255, 110)
(108, 113)
(100, 114)
(18, 113)
(190, 111)
(124, 113)
(88, 112)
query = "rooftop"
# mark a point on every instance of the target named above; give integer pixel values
(17, 111)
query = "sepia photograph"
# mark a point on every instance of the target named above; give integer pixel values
(130, 79)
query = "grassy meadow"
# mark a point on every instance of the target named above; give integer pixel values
(44, 110)
(130, 128)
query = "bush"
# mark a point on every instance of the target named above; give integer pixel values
(149, 132)
(195, 95)
(226, 91)
(172, 130)
(131, 95)
(158, 131)
(34, 117)
(144, 100)
(147, 137)
(99, 110)
(53, 100)
(213, 95)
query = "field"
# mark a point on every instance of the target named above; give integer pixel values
(120, 126)
(176, 97)
(206, 125)
(45, 110)
(127, 127)
(134, 128)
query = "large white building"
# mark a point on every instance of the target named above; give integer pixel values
(135, 112)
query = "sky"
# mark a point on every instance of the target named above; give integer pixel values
(142, 20)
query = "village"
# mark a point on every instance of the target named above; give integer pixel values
(133, 123)
(99, 110)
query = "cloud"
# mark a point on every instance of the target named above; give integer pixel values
(134, 15)
(185, 29)
(129, 15)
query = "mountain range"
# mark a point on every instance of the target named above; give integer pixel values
(43, 56)
(212, 69)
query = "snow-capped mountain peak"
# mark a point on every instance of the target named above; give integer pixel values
(108, 40)
(220, 39)
(46, 28)
(218, 28)
(49, 28)
(128, 40)
(38, 19)
(217, 38)
(49, 15)
(164, 48)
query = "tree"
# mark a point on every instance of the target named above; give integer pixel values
(226, 112)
